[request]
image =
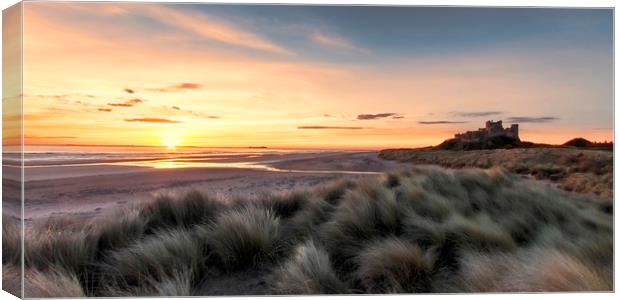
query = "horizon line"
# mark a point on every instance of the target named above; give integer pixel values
(264, 147)
(213, 147)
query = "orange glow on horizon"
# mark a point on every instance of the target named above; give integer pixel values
(172, 144)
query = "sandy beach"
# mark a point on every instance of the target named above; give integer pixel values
(89, 188)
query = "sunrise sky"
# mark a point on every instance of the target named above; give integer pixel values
(311, 76)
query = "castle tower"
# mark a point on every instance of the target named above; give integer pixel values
(494, 128)
(487, 125)
(514, 131)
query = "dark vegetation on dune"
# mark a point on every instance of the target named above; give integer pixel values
(585, 144)
(428, 230)
(576, 170)
(505, 142)
(497, 142)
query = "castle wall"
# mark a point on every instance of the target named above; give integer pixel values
(491, 129)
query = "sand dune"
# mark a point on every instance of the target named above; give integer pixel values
(581, 171)
(427, 230)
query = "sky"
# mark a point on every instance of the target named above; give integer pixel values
(311, 76)
(11, 80)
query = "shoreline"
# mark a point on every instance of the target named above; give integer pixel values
(43, 170)
(86, 191)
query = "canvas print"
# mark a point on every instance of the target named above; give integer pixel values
(162, 149)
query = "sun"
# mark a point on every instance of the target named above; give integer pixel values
(171, 141)
(172, 146)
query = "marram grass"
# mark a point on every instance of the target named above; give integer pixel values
(424, 231)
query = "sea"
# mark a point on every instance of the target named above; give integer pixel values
(160, 157)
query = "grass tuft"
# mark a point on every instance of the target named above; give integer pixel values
(246, 236)
(157, 259)
(54, 282)
(392, 265)
(192, 209)
(364, 213)
(309, 271)
(11, 241)
(531, 270)
(68, 249)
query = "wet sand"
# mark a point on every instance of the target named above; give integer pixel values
(86, 190)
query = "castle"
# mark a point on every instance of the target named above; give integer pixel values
(491, 129)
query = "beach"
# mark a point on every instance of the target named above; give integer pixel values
(88, 187)
(247, 221)
(83, 185)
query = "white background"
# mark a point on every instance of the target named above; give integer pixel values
(563, 3)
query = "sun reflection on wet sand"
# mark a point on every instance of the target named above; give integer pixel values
(263, 166)
(270, 162)
(189, 163)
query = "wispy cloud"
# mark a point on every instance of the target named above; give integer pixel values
(440, 122)
(378, 116)
(201, 115)
(477, 113)
(532, 119)
(336, 42)
(61, 97)
(151, 120)
(128, 103)
(105, 109)
(83, 103)
(188, 86)
(178, 87)
(209, 27)
(332, 127)
(193, 113)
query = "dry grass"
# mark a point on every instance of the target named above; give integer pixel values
(392, 265)
(582, 171)
(532, 270)
(309, 271)
(427, 230)
(158, 258)
(11, 241)
(51, 283)
(246, 236)
(12, 279)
